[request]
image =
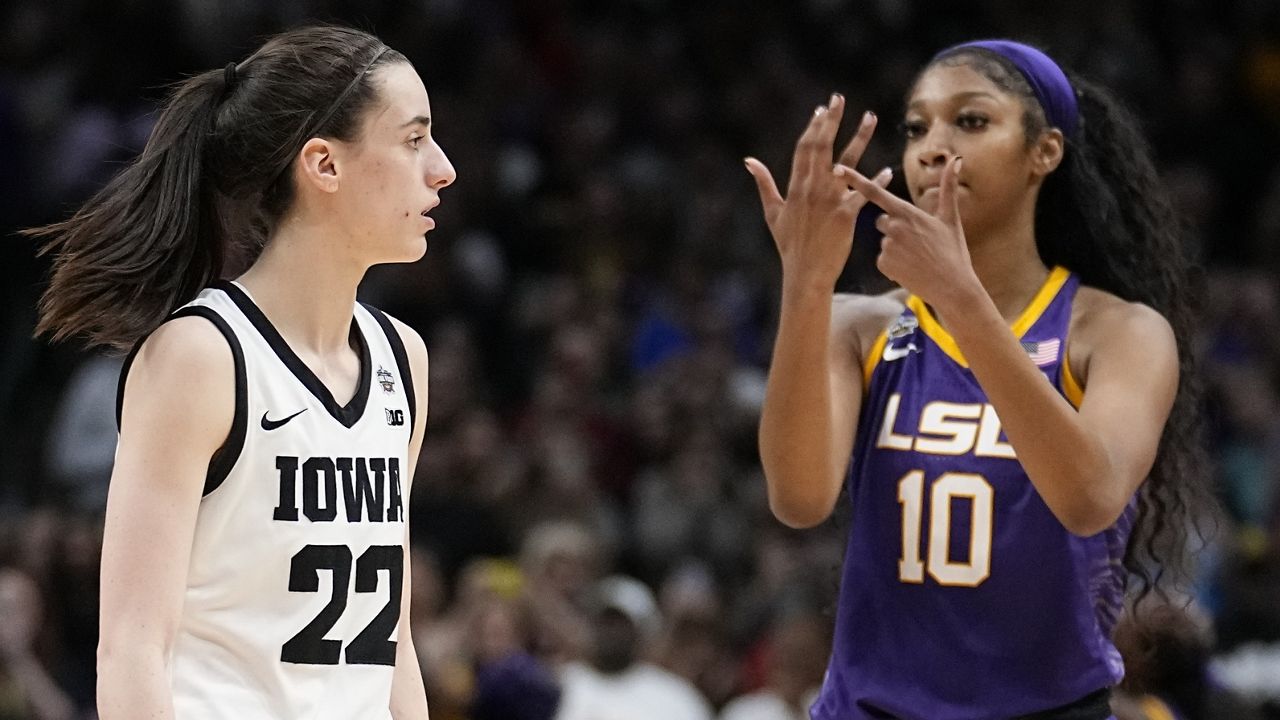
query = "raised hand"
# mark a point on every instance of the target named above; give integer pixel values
(813, 225)
(924, 253)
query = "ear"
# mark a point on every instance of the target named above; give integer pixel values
(1046, 155)
(317, 165)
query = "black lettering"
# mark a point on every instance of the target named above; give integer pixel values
(288, 507)
(395, 508)
(309, 646)
(358, 492)
(311, 471)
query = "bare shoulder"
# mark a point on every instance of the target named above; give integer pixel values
(860, 318)
(416, 349)
(414, 346)
(182, 349)
(1100, 319)
(1099, 315)
(181, 386)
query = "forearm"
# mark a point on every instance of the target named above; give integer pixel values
(408, 692)
(1065, 461)
(796, 444)
(134, 684)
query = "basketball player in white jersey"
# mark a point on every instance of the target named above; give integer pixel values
(255, 553)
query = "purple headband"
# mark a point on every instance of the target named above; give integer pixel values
(1047, 80)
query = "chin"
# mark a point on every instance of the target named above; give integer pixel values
(417, 251)
(411, 251)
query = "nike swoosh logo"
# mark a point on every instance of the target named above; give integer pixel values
(892, 353)
(273, 424)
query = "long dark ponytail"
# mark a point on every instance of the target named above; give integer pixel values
(1105, 215)
(211, 183)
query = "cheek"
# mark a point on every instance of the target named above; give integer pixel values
(996, 167)
(377, 179)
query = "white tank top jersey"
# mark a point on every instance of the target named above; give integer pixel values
(293, 594)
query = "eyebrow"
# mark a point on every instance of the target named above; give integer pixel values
(418, 120)
(958, 97)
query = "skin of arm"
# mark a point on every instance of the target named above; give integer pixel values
(796, 382)
(805, 434)
(408, 693)
(1087, 464)
(814, 389)
(166, 440)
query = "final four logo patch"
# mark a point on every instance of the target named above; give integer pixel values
(386, 380)
(903, 326)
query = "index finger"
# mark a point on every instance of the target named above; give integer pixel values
(886, 200)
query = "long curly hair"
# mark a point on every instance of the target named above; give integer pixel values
(1105, 215)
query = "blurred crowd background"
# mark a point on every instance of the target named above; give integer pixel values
(591, 534)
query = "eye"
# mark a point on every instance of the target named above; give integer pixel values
(912, 129)
(971, 121)
(413, 141)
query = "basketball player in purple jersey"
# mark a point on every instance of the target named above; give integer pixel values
(998, 420)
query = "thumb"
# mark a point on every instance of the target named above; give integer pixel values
(948, 200)
(770, 198)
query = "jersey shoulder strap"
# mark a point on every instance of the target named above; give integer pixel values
(224, 458)
(402, 360)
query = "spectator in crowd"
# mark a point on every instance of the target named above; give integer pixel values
(1166, 653)
(27, 691)
(796, 651)
(617, 682)
(599, 300)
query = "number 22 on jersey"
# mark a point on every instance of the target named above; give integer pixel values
(970, 572)
(372, 646)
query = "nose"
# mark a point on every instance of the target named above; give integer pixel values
(440, 172)
(935, 149)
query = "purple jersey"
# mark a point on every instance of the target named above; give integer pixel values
(963, 597)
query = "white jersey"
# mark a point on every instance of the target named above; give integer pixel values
(293, 594)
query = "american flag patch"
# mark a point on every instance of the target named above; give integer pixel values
(1044, 352)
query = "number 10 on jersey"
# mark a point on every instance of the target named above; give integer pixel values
(969, 573)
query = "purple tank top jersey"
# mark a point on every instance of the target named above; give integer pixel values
(962, 596)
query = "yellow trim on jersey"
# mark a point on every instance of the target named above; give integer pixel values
(1156, 709)
(872, 359)
(1045, 295)
(1057, 278)
(1070, 386)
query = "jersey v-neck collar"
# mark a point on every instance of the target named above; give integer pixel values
(1025, 321)
(347, 414)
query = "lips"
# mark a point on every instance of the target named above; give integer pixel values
(431, 223)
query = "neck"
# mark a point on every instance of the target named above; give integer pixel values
(1008, 265)
(305, 281)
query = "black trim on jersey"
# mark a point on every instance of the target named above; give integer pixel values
(224, 458)
(348, 414)
(402, 361)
